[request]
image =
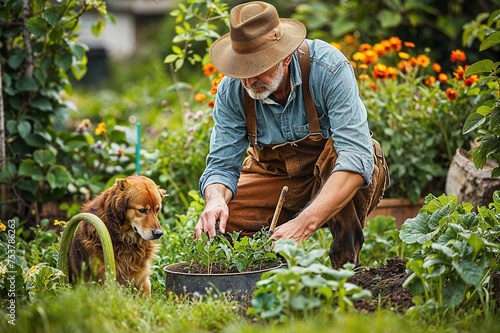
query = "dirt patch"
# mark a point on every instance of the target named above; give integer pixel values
(386, 284)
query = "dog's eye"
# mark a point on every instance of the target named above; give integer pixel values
(142, 210)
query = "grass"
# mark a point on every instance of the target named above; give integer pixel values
(95, 308)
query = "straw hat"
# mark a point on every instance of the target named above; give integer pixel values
(258, 40)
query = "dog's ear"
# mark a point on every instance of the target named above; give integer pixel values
(121, 183)
(163, 193)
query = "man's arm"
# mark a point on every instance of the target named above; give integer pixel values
(217, 196)
(338, 190)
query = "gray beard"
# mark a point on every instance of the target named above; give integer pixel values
(269, 88)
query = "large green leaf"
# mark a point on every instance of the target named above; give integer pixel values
(422, 228)
(482, 66)
(44, 157)
(470, 272)
(41, 103)
(26, 83)
(29, 168)
(453, 294)
(473, 121)
(58, 177)
(491, 40)
(37, 26)
(24, 128)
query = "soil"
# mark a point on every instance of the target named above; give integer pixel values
(386, 284)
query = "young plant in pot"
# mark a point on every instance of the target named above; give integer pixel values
(229, 265)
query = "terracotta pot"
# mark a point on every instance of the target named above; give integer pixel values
(237, 286)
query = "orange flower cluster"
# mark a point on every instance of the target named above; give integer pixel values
(209, 70)
(367, 56)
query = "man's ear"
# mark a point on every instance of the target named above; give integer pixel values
(121, 183)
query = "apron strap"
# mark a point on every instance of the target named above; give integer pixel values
(249, 105)
(305, 67)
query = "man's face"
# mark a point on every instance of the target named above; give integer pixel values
(263, 85)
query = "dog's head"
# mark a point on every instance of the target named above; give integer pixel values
(143, 203)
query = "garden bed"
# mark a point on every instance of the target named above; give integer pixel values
(386, 284)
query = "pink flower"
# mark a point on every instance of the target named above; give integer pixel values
(188, 115)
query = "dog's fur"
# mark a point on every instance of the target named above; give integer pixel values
(129, 209)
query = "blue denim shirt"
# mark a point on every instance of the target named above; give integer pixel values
(341, 113)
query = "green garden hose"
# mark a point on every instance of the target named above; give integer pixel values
(107, 246)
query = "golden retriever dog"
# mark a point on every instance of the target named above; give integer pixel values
(129, 209)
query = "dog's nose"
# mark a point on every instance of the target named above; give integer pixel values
(157, 233)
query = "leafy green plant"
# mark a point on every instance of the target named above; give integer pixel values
(485, 121)
(222, 255)
(303, 286)
(459, 251)
(382, 242)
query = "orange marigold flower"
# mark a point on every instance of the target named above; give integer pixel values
(414, 62)
(436, 67)
(359, 56)
(200, 97)
(396, 43)
(457, 55)
(349, 39)
(101, 129)
(430, 81)
(373, 86)
(363, 66)
(386, 44)
(471, 80)
(379, 49)
(451, 94)
(365, 47)
(403, 55)
(209, 69)
(405, 66)
(443, 78)
(459, 73)
(211, 103)
(336, 45)
(379, 71)
(392, 72)
(409, 45)
(371, 57)
(423, 60)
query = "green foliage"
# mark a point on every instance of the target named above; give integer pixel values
(222, 255)
(459, 252)
(303, 286)
(113, 308)
(196, 23)
(485, 121)
(382, 242)
(36, 57)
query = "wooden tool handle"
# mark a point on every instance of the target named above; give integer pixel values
(277, 211)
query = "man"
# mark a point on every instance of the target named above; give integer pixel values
(312, 138)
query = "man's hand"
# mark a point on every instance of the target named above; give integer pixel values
(216, 198)
(295, 229)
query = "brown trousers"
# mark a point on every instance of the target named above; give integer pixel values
(260, 185)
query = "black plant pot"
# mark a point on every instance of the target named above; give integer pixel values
(237, 286)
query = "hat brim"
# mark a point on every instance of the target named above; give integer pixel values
(242, 66)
